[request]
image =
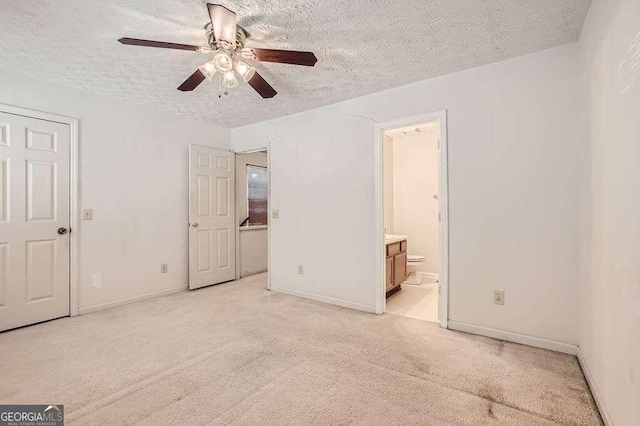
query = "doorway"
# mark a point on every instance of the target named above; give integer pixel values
(252, 212)
(412, 225)
(38, 212)
(228, 215)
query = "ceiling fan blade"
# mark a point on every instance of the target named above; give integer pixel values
(223, 23)
(152, 43)
(192, 82)
(261, 86)
(285, 56)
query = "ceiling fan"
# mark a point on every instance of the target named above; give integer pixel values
(226, 42)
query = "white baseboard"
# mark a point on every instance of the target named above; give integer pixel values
(594, 390)
(430, 277)
(325, 299)
(509, 336)
(249, 273)
(134, 299)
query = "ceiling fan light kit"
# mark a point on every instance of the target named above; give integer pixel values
(229, 80)
(208, 69)
(226, 42)
(246, 71)
(223, 60)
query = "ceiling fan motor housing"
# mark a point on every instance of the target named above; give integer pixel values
(241, 38)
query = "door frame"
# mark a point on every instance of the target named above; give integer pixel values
(443, 197)
(74, 197)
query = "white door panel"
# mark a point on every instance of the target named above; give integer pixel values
(211, 216)
(34, 204)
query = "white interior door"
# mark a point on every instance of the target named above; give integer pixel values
(34, 220)
(212, 241)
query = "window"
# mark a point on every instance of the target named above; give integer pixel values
(257, 195)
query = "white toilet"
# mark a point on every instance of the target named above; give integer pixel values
(413, 261)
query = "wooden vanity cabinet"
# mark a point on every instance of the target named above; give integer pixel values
(389, 270)
(399, 268)
(396, 266)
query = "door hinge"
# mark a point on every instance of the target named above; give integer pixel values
(438, 143)
(439, 217)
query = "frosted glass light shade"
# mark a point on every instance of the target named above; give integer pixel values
(208, 69)
(246, 71)
(229, 79)
(222, 61)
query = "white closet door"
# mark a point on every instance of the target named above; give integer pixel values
(34, 220)
(212, 241)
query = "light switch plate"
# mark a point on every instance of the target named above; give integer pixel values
(96, 279)
(87, 214)
(498, 297)
(164, 268)
(275, 214)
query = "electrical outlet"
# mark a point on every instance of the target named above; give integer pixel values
(87, 214)
(96, 279)
(164, 268)
(498, 297)
(301, 269)
(275, 214)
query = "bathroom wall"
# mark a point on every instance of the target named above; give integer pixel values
(387, 164)
(415, 182)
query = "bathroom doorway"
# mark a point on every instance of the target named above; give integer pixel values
(413, 192)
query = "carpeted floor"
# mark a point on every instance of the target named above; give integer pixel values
(238, 354)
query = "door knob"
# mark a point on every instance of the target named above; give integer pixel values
(195, 224)
(62, 231)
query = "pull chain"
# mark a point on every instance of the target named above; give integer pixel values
(221, 93)
(219, 102)
(219, 109)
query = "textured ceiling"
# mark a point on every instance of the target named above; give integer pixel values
(363, 46)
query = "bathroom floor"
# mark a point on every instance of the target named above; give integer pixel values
(415, 301)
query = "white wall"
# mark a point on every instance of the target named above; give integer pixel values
(415, 182)
(387, 172)
(610, 247)
(253, 251)
(252, 244)
(133, 174)
(514, 131)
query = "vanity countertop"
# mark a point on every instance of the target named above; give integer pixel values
(390, 239)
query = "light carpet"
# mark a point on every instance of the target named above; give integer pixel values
(239, 354)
